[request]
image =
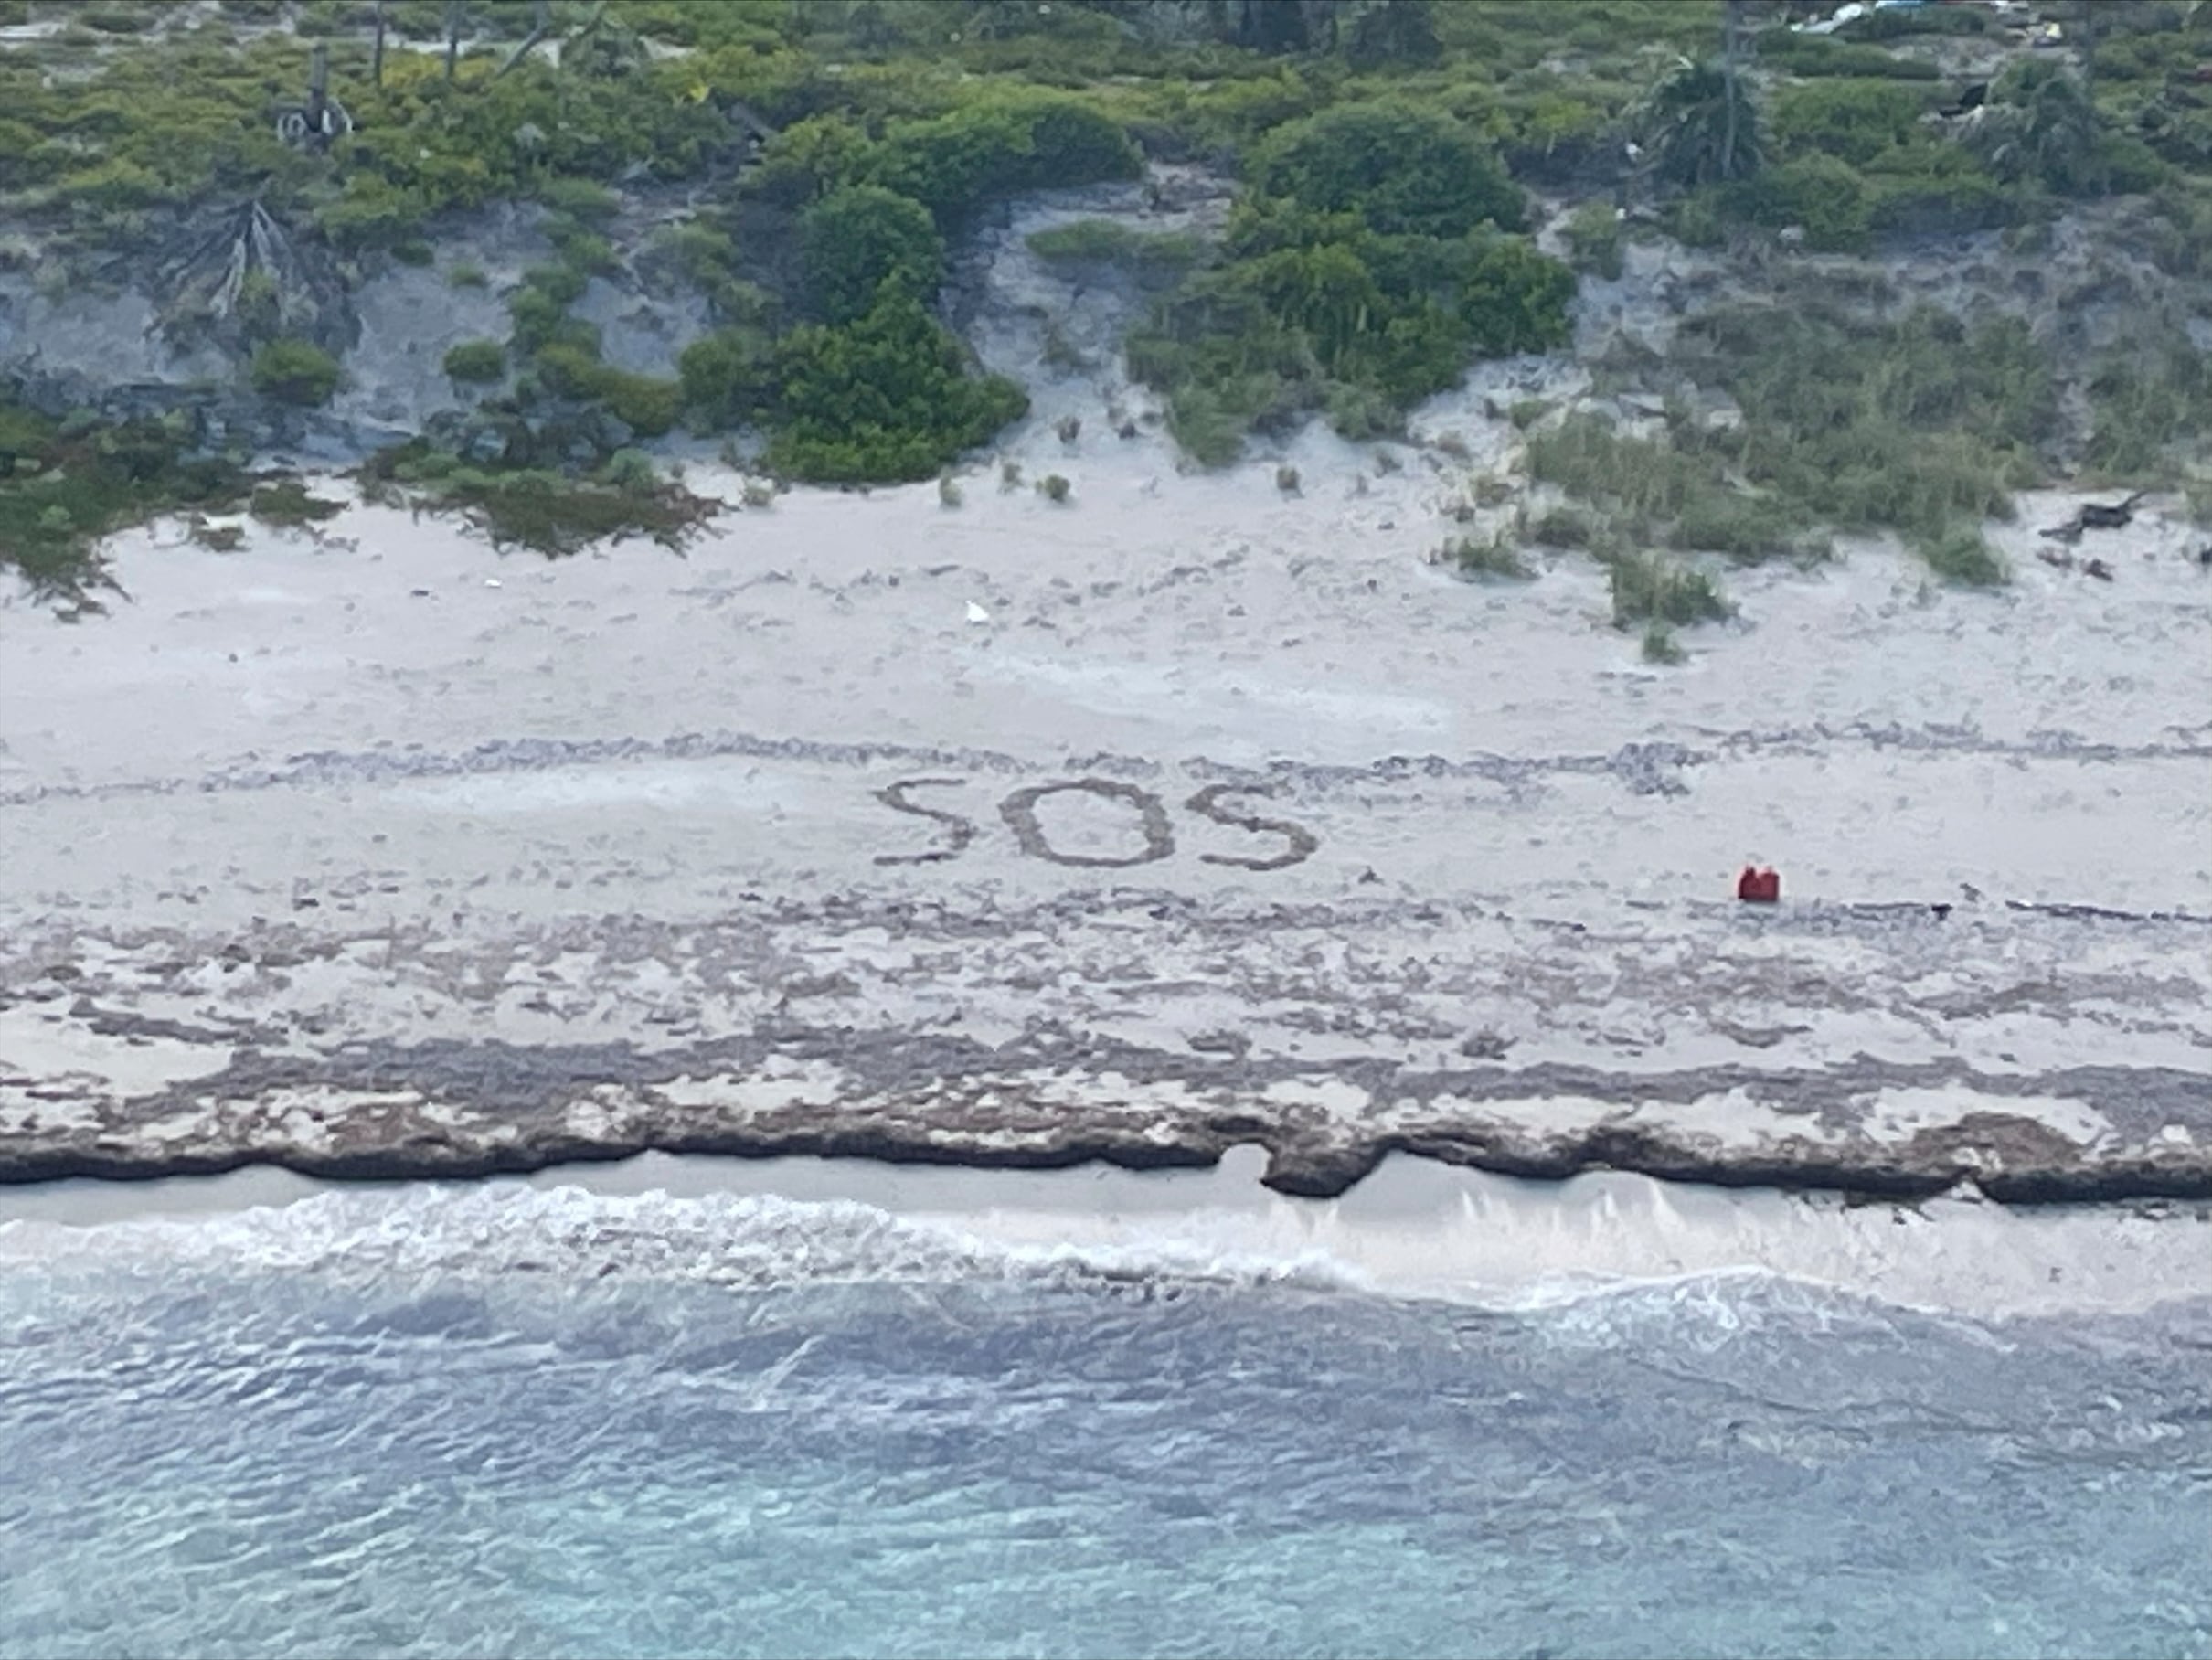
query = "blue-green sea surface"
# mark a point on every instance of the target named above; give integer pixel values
(548, 1424)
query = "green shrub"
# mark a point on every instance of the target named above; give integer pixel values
(1565, 528)
(288, 502)
(582, 198)
(476, 362)
(1961, 556)
(1824, 55)
(1825, 199)
(1489, 559)
(295, 372)
(548, 512)
(1403, 171)
(1594, 239)
(728, 379)
(1645, 590)
(115, 19)
(564, 284)
(864, 243)
(886, 396)
(2144, 398)
(1360, 325)
(584, 252)
(647, 405)
(1846, 121)
(1162, 254)
(993, 146)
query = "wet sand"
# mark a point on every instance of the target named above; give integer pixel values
(1412, 1228)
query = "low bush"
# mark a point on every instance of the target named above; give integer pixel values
(1493, 558)
(1646, 590)
(476, 362)
(1963, 557)
(888, 397)
(1148, 254)
(295, 372)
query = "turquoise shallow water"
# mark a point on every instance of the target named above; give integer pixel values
(557, 1426)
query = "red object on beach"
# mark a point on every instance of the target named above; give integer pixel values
(1758, 887)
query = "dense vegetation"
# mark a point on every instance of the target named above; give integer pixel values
(836, 154)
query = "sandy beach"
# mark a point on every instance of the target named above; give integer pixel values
(1199, 810)
(1187, 815)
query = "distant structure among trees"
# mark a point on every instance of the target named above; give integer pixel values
(314, 125)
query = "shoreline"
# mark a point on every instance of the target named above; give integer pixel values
(1414, 1229)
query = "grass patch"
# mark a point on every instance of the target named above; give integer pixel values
(1157, 256)
(1646, 590)
(549, 513)
(1912, 425)
(1962, 557)
(1493, 558)
(289, 504)
(64, 486)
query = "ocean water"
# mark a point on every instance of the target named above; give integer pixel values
(550, 1424)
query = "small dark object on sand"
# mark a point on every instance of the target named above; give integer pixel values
(2094, 515)
(1941, 911)
(2204, 556)
(2099, 569)
(2097, 516)
(1128, 429)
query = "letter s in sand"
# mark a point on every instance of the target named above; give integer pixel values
(1207, 803)
(959, 831)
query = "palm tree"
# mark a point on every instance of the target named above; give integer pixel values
(1701, 126)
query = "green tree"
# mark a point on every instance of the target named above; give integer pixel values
(858, 241)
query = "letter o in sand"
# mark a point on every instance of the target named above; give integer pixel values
(1019, 811)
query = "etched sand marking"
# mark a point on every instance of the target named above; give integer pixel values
(1303, 843)
(1019, 811)
(959, 831)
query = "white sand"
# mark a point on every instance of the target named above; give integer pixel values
(384, 787)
